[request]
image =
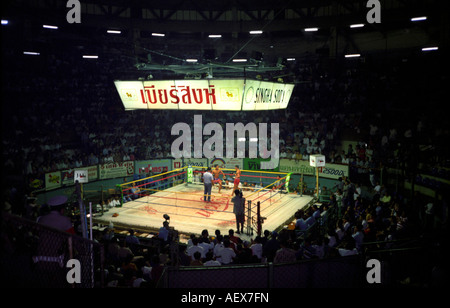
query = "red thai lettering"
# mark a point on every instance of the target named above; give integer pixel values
(211, 95)
(173, 94)
(199, 99)
(149, 96)
(144, 100)
(161, 100)
(186, 97)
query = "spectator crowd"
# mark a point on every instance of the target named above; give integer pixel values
(62, 114)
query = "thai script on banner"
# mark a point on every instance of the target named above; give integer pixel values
(330, 171)
(114, 170)
(152, 166)
(151, 95)
(209, 94)
(227, 163)
(194, 162)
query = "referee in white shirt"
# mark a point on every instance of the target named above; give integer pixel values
(207, 182)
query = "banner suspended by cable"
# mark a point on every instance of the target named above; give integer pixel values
(209, 94)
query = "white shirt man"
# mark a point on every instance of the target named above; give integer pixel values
(207, 182)
(257, 250)
(226, 254)
(194, 248)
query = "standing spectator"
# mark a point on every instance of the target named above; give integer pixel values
(163, 233)
(239, 210)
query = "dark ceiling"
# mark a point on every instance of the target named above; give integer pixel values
(186, 25)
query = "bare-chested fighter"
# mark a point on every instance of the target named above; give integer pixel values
(237, 179)
(216, 173)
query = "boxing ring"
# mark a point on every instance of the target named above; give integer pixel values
(180, 194)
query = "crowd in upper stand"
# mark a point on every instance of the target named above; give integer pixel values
(67, 116)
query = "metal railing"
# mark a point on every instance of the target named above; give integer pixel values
(34, 255)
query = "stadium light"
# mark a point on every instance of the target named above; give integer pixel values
(421, 18)
(4, 22)
(31, 53)
(158, 34)
(214, 36)
(50, 27)
(256, 32)
(114, 31)
(356, 26)
(90, 57)
(354, 55)
(430, 48)
(311, 29)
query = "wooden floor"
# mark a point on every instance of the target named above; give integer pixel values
(190, 214)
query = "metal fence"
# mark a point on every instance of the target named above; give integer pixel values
(33, 255)
(339, 272)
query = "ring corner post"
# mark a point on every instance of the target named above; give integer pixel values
(249, 218)
(288, 178)
(189, 175)
(258, 218)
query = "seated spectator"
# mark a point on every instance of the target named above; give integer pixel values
(316, 211)
(157, 269)
(232, 237)
(218, 246)
(300, 223)
(134, 191)
(358, 236)
(271, 247)
(206, 245)
(195, 248)
(183, 258)
(197, 259)
(210, 261)
(226, 255)
(128, 270)
(132, 239)
(124, 252)
(310, 220)
(257, 249)
(348, 249)
(285, 254)
(244, 253)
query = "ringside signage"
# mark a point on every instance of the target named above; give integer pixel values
(207, 94)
